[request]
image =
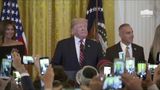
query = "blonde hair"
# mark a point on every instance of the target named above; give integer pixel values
(78, 20)
(155, 48)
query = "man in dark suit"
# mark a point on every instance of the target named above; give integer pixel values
(130, 49)
(77, 51)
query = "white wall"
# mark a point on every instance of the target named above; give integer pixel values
(128, 11)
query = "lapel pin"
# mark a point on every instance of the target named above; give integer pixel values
(88, 46)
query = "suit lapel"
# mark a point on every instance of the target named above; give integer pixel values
(87, 47)
(134, 50)
(119, 48)
(73, 48)
(86, 44)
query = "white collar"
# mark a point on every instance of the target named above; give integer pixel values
(124, 45)
(78, 39)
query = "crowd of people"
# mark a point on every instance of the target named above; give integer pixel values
(73, 54)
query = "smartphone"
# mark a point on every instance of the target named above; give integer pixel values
(44, 63)
(141, 70)
(9, 57)
(6, 68)
(28, 60)
(112, 83)
(151, 68)
(17, 77)
(130, 65)
(121, 55)
(118, 67)
(107, 70)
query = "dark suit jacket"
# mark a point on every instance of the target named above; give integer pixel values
(151, 60)
(27, 83)
(65, 54)
(113, 52)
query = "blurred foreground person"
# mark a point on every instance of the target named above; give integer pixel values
(25, 77)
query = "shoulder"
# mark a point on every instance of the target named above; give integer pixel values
(136, 46)
(66, 40)
(91, 41)
(13, 43)
(114, 47)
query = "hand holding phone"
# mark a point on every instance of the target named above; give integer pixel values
(151, 68)
(130, 65)
(141, 70)
(44, 64)
(6, 68)
(17, 77)
(9, 57)
(28, 60)
(107, 70)
(112, 83)
(118, 67)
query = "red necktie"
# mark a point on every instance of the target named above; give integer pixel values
(81, 59)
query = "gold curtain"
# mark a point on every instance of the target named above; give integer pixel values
(46, 22)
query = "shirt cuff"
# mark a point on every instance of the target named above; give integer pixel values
(24, 74)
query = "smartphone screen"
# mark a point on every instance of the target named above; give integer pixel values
(118, 67)
(17, 77)
(44, 63)
(28, 60)
(6, 68)
(9, 57)
(107, 70)
(151, 68)
(112, 83)
(130, 65)
(121, 55)
(141, 70)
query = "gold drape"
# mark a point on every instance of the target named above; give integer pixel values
(108, 6)
(47, 21)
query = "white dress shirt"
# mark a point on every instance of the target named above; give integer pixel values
(123, 46)
(77, 45)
